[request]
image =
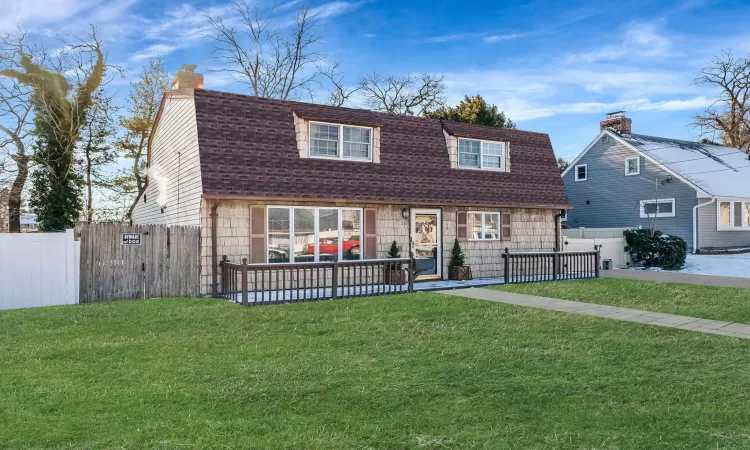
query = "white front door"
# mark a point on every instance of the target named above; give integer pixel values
(426, 236)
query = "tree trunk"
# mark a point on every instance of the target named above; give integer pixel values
(14, 197)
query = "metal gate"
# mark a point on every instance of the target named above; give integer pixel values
(120, 262)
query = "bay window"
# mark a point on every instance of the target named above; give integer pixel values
(340, 141)
(306, 234)
(733, 215)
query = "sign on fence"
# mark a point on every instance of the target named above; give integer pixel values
(120, 262)
(131, 239)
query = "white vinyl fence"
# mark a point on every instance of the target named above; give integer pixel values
(591, 233)
(38, 269)
(611, 248)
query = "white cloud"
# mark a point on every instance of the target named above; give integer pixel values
(486, 38)
(152, 51)
(335, 8)
(39, 13)
(640, 40)
(501, 37)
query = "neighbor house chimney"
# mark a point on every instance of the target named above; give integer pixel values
(186, 78)
(617, 122)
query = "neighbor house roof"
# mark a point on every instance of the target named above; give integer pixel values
(248, 149)
(718, 171)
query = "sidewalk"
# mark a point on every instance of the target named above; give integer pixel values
(674, 277)
(738, 330)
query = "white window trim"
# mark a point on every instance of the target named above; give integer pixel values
(481, 155)
(658, 214)
(731, 226)
(638, 166)
(482, 233)
(564, 215)
(587, 172)
(316, 232)
(605, 139)
(340, 156)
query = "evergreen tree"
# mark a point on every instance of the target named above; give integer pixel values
(473, 110)
(394, 251)
(457, 255)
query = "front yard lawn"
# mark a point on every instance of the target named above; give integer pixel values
(707, 302)
(410, 371)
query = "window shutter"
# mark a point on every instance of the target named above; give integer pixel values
(506, 236)
(371, 234)
(257, 234)
(461, 231)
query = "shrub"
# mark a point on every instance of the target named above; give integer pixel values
(394, 251)
(457, 255)
(654, 249)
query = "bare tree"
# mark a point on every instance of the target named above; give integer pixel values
(730, 114)
(340, 92)
(16, 119)
(257, 53)
(407, 95)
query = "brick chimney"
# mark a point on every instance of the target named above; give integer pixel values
(186, 78)
(617, 122)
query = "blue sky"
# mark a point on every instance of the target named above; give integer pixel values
(553, 67)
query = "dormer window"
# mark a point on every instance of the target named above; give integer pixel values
(337, 141)
(479, 154)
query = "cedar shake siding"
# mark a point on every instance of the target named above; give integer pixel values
(531, 230)
(248, 150)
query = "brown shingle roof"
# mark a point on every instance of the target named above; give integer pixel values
(248, 149)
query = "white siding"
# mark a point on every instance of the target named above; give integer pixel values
(174, 167)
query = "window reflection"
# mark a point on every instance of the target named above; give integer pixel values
(351, 224)
(278, 235)
(328, 234)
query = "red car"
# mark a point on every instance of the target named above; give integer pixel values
(330, 246)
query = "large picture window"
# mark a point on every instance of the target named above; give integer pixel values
(484, 226)
(304, 234)
(340, 141)
(733, 215)
(478, 154)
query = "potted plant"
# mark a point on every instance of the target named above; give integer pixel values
(456, 268)
(394, 272)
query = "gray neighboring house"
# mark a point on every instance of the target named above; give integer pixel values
(700, 192)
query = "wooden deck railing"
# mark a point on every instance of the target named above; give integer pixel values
(257, 284)
(529, 267)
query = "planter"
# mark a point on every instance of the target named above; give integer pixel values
(396, 275)
(459, 273)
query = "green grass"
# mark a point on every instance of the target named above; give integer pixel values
(411, 371)
(708, 302)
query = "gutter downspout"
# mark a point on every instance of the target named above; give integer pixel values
(557, 230)
(695, 223)
(214, 250)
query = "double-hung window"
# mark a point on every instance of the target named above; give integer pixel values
(733, 215)
(582, 172)
(346, 142)
(306, 234)
(632, 166)
(479, 154)
(663, 207)
(484, 226)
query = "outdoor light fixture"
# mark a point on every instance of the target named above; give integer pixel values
(405, 213)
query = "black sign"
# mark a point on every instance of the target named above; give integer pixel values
(131, 238)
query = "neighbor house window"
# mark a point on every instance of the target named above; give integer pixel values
(582, 172)
(663, 207)
(340, 141)
(563, 215)
(484, 226)
(304, 234)
(478, 154)
(633, 166)
(734, 215)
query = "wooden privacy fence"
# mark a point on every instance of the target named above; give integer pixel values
(120, 262)
(550, 266)
(259, 284)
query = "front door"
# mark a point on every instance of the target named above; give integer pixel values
(426, 238)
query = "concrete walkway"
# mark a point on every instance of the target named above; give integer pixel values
(738, 330)
(674, 277)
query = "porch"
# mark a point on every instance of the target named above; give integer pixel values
(263, 284)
